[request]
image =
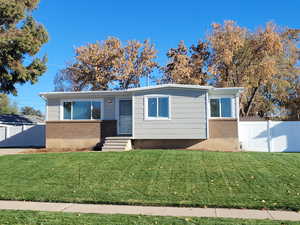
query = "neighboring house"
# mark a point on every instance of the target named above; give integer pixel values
(21, 131)
(15, 120)
(163, 116)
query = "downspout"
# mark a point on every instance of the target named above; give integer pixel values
(207, 114)
(237, 114)
(133, 115)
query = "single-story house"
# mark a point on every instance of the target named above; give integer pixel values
(162, 116)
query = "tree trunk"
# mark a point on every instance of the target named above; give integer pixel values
(250, 102)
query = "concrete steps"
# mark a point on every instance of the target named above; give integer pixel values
(117, 144)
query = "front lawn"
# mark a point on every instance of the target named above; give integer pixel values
(158, 177)
(45, 218)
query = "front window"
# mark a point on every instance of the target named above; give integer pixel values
(67, 110)
(81, 110)
(158, 107)
(96, 110)
(220, 107)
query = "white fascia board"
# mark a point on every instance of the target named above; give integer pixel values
(226, 91)
(120, 92)
(211, 89)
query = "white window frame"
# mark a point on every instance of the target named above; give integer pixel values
(81, 100)
(146, 97)
(232, 104)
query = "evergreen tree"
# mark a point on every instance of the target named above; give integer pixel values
(21, 37)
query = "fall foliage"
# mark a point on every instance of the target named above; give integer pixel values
(103, 64)
(186, 65)
(263, 62)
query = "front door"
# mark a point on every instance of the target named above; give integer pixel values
(125, 116)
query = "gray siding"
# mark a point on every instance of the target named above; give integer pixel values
(109, 108)
(54, 108)
(188, 116)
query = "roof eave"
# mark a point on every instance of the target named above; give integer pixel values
(232, 90)
(44, 95)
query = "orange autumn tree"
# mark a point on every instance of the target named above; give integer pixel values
(264, 62)
(103, 64)
(187, 65)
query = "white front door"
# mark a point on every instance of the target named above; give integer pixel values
(125, 116)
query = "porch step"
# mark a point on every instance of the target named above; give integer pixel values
(116, 141)
(117, 144)
(118, 138)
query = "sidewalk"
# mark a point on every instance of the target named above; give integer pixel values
(149, 210)
(10, 151)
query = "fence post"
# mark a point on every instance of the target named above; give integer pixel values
(7, 132)
(269, 135)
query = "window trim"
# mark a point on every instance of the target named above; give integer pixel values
(146, 117)
(81, 100)
(232, 104)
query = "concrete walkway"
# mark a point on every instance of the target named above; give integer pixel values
(10, 151)
(149, 210)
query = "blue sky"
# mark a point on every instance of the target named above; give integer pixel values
(75, 23)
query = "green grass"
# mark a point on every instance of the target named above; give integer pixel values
(170, 178)
(46, 218)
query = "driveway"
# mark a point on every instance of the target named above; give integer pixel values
(11, 151)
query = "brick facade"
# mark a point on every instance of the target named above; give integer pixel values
(78, 134)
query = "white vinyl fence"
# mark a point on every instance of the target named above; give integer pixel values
(22, 136)
(270, 136)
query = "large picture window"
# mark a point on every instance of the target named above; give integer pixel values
(221, 107)
(82, 110)
(157, 107)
